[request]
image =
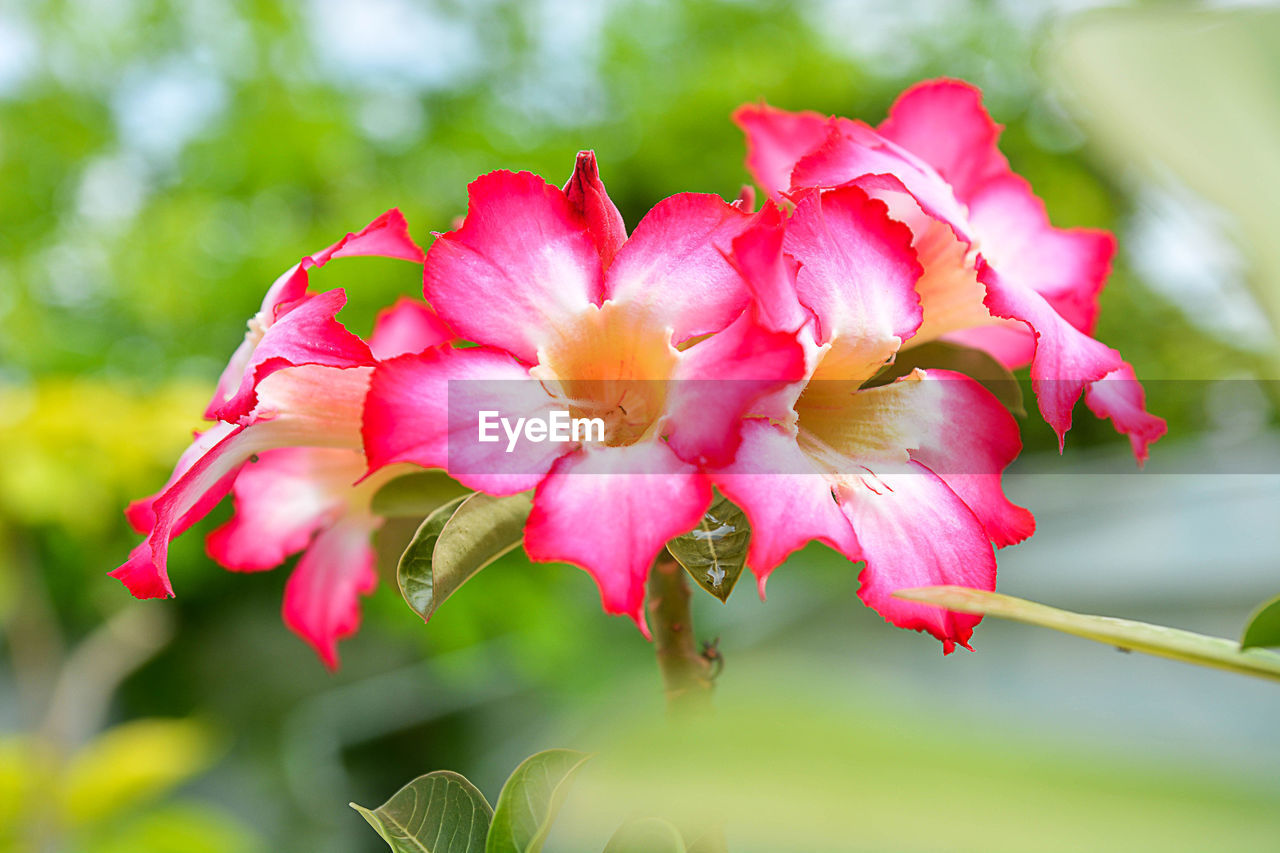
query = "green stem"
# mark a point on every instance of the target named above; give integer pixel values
(686, 672)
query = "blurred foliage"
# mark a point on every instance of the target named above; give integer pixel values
(104, 797)
(161, 162)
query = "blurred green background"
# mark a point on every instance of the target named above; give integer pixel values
(162, 162)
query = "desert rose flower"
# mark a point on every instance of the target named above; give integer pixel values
(904, 476)
(303, 377)
(997, 274)
(649, 334)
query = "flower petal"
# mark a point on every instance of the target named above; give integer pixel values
(322, 596)
(586, 194)
(308, 333)
(182, 503)
(1066, 359)
(973, 440)
(314, 337)
(914, 531)
(776, 140)
(141, 513)
(424, 409)
(719, 380)
(611, 510)
(281, 500)
(385, 237)
(408, 326)
(674, 266)
(519, 269)
(1067, 266)
(855, 152)
(788, 502)
(857, 274)
(944, 123)
(769, 273)
(1120, 397)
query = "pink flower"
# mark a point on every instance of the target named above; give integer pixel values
(997, 274)
(904, 476)
(572, 315)
(287, 443)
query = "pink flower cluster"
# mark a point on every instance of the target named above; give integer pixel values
(722, 347)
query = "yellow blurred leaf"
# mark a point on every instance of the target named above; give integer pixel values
(133, 763)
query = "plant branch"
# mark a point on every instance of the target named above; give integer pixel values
(686, 672)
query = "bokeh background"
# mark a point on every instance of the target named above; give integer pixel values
(161, 162)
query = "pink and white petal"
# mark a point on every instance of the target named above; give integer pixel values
(141, 513)
(1119, 396)
(425, 409)
(312, 406)
(281, 500)
(719, 380)
(288, 289)
(1009, 342)
(307, 334)
(610, 510)
(914, 531)
(855, 152)
(788, 502)
(1066, 359)
(322, 596)
(586, 194)
(184, 502)
(520, 268)
(944, 123)
(408, 326)
(385, 237)
(776, 140)
(857, 272)
(674, 267)
(769, 273)
(973, 440)
(1067, 266)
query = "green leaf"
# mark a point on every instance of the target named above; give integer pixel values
(457, 541)
(974, 363)
(714, 552)
(1264, 626)
(416, 494)
(530, 799)
(646, 835)
(438, 813)
(1122, 633)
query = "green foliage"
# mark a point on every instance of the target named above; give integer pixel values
(646, 835)
(416, 495)
(110, 796)
(1122, 633)
(530, 800)
(440, 812)
(1263, 628)
(974, 363)
(715, 552)
(457, 541)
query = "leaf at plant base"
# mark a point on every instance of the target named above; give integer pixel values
(975, 363)
(1263, 628)
(714, 552)
(438, 813)
(417, 494)
(131, 764)
(646, 835)
(1123, 633)
(530, 799)
(457, 541)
